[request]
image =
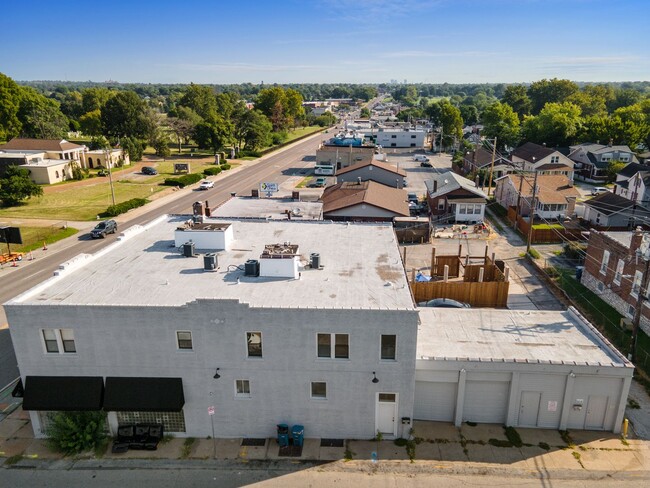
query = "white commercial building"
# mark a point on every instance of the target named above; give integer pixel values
(398, 137)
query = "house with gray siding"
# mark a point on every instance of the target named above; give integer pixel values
(307, 323)
(374, 170)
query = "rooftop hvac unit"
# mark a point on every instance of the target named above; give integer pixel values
(314, 260)
(188, 249)
(252, 268)
(210, 262)
(626, 323)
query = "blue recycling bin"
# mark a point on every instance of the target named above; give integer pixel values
(283, 435)
(298, 434)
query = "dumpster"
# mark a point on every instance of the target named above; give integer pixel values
(298, 434)
(283, 435)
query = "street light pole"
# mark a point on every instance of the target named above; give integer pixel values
(494, 150)
(531, 217)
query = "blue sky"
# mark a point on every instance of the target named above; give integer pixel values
(326, 41)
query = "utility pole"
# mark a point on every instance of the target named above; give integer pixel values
(531, 217)
(521, 184)
(107, 152)
(644, 253)
(494, 150)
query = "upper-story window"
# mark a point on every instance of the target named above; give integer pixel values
(59, 341)
(184, 339)
(619, 271)
(555, 159)
(335, 346)
(636, 284)
(604, 262)
(254, 344)
(388, 346)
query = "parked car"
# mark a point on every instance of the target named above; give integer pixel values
(426, 164)
(102, 172)
(413, 197)
(598, 190)
(421, 158)
(206, 185)
(318, 182)
(103, 228)
(148, 170)
(444, 303)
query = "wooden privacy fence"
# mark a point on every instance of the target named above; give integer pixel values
(485, 294)
(544, 235)
(490, 272)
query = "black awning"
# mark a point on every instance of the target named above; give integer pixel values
(68, 393)
(144, 394)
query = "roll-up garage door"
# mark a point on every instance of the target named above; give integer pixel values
(435, 401)
(486, 401)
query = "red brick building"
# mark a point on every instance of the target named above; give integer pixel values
(613, 271)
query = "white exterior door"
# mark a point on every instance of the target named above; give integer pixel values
(596, 409)
(529, 408)
(386, 414)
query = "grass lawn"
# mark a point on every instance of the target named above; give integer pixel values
(33, 237)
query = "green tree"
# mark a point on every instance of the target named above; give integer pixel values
(202, 101)
(365, 113)
(124, 116)
(10, 95)
(558, 124)
(623, 97)
(41, 117)
(133, 147)
(16, 186)
(452, 123)
(91, 123)
(253, 130)
(95, 98)
(98, 142)
(630, 125)
(160, 143)
(325, 120)
(591, 103)
(72, 105)
(501, 121)
(613, 168)
(550, 91)
(517, 97)
(214, 136)
(469, 113)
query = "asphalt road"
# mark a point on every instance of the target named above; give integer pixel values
(298, 478)
(276, 167)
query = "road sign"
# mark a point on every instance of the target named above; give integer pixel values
(211, 410)
(269, 187)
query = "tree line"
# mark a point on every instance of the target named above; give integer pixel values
(555, 112)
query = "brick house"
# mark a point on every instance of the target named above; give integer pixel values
(614, 273)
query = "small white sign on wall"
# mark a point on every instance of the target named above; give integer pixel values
(552, 406)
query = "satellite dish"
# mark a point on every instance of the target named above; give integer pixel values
(296, 211)
(446, 181)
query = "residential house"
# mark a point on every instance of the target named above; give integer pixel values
(614, 272)
(364, 201)
(544, 160)
(613, 212)
(632, 182)
(307, 323)
(591, 160)
(481, 159)
(373, 170)
(555, 197)
(452, 198)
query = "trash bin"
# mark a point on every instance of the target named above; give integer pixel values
(298, 435)
(283, 435)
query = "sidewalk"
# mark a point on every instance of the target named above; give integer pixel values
(436, 446)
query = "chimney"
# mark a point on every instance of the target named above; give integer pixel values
(358, 180)
(476, 181)
(435, 186)
(611, 141)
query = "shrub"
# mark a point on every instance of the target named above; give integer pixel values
(279, 137)
(533, 253)
(215, 170)
(249, 154)
(499, 443)
(225, 167)
(75, 432)
(183, 181)
(120, 208)
(401, 442)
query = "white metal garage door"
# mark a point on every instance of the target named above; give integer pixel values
(434, 401)
(486, 401)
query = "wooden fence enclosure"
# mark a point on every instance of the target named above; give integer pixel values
(485, 294)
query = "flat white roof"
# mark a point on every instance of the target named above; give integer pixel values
(268, 208)
(45, 163)
(362, 269)
(513, 335)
